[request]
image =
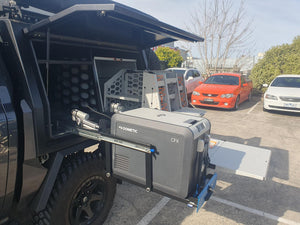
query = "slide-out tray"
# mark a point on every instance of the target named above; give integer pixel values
(241, 159)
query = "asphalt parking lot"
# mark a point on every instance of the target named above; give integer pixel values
(237, 200)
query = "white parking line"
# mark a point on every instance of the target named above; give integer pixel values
(253, 107)
(154, 211)
(159, 206)
(255, 211)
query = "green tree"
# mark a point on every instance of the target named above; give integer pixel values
(283, 59)
(171, 57)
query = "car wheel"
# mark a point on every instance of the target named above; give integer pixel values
(249, 96)
(82, 194)
(237, 102)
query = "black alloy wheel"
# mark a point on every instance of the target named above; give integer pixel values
(82, 193)
(88, 201)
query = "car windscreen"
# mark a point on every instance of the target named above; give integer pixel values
(292, 82)
(223, 79)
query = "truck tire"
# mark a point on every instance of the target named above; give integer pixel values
(82, 194)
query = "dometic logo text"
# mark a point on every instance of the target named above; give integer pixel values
(131, 130)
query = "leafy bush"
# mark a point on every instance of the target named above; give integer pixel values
(283, 59)
(170, 57)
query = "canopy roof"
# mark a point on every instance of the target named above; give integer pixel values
(112, 25)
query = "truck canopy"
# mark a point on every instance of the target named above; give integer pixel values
(108, 25)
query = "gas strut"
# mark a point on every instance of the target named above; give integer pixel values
(91, 130)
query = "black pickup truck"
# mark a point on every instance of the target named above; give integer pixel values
(47, 68)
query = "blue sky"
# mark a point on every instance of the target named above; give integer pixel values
(275, 22)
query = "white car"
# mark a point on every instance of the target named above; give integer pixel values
(283, 94)
(192, 78)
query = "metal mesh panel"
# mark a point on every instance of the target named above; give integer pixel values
(134, 83)
(115, 87)
(125, 88)
(72, 86)
(160, 89)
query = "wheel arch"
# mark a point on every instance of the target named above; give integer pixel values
(39, 202)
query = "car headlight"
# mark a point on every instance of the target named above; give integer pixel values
(227, 96)
(196, 93)
(272, 97)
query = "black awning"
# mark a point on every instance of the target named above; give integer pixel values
(112, 25)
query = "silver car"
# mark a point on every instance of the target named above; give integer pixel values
(192, 78)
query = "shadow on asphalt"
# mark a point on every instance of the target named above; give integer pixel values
(268, 196)
(279, 162)
(292, 114)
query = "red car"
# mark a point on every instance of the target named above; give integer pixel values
(222, 90)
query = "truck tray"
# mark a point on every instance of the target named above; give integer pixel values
(241, 159)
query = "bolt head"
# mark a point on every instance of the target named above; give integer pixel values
(85, 199)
